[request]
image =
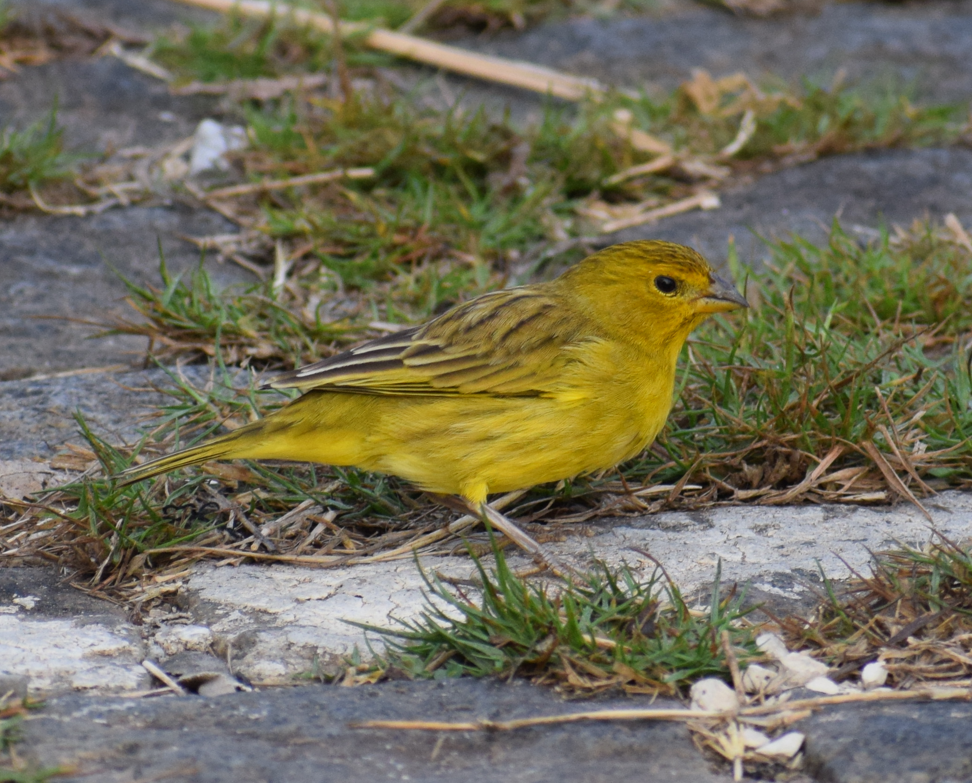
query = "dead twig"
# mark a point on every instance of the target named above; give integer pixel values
(675, 714)
(291, 182)
(704, 199)
(527, 76)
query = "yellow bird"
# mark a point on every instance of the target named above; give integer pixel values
(508, 390)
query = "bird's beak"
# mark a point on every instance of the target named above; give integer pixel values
(721, 296)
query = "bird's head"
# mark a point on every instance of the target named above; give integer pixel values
(653, 290)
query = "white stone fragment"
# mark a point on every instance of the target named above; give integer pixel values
(59, 655)
(800, 668)
(823, 685)
(713, 695)
(756, 678)
(874, 675)
(211, 141)
(177, 638)
(785, 747)
(754, 738)
(772, 645)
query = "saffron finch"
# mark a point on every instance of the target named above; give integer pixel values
(510, 389)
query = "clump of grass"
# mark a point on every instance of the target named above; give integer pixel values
(456, 195)
(850, 348)
(256, 324)
(241, 48)
(32, 156)
(913, 612)
(791, 122)
(492, 15)
(608, 629)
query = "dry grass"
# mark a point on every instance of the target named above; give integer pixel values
(913, 612)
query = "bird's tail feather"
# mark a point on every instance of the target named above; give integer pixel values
(233, 445)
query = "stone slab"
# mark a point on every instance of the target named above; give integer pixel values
(304, 734)
(863, 190)
(102, 104)
(281, 622)
(37, 416)
(56, 271)
(927, 44)
(903, 743)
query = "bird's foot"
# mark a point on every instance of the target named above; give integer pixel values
(541, 555)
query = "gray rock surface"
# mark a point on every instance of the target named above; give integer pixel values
(57, 638)
(903, 743)
(863, 190)
(37, 416)
(144, 16)
(305, 734)
(58, 272)
(926, 44)
(102, 104)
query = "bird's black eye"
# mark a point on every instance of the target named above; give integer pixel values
(665, 284)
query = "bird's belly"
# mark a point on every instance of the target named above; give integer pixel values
(474, 446)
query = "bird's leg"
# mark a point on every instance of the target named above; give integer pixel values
(508, 528)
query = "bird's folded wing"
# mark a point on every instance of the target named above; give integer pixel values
(513, 342)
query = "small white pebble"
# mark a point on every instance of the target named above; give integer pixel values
(756, 678)
(210, 142)
(823, 685)
(772, 645)
(754, 738)
(874, 675)
(785, 747)
(712, 695)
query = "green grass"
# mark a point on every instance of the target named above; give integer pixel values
(850, 343)
(605, 629)
(241, 327)
(240, 48)
(463, 201)
(32, 156)
(458, 195)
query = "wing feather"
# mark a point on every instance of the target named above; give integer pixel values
(512, 342)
